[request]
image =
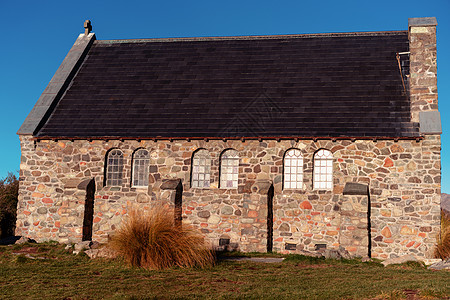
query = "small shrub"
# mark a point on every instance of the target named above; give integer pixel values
(153, 241)
(9, 191)
(442, 249)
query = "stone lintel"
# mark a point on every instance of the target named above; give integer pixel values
(170, 184)
(353, 188)
(57, 85)
(422, 22)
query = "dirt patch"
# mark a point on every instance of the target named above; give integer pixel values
(27, 250)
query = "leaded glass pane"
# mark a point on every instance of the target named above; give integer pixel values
(323, 169)
(201, 166)
(229, 171)
(114, 168)
(141, 162)
(293, 169)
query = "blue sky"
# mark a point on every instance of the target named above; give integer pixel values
(36, 36)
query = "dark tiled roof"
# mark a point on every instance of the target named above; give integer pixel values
(307, 85)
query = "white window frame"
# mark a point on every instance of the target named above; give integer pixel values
(140, 160)
(293, 170)
(229, 169)
(201, 169)
(323, 170)
(114, 165)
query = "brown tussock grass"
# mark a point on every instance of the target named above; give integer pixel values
(442, 249)
(151, 240)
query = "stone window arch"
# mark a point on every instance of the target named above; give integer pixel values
(201, 169)
(293, 169)
(323, 170)
(141, 162)
(229, 169)
(114, 168)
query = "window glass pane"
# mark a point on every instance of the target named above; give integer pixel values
(229, 169)
(201, 167)
(293, 169)
(141, 161)
(114, 168)
(323, 169)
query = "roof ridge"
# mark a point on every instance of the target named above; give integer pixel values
(255, 37)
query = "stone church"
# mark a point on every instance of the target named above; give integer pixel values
(282, 143)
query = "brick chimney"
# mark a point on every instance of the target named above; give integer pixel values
(423, 80)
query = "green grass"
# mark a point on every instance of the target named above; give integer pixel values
(62, 275)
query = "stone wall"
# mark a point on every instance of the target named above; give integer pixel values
(403, 179)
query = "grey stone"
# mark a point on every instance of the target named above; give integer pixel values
(227, 210)
(441, 265)
(170, 184)
(428, 21)
(24, 240)
(204, 214)
(399, 260)
(84, 245)
(284, 227)
(42, 210)
(353, 188)
(430, 122)
(103, 252)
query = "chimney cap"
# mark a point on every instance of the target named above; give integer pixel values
(87, 27)
(420, 22)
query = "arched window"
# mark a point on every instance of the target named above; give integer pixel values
(201, 169)
(293, 169)
(229, 169)
(141, 161)
(323, 170)
(114, 168)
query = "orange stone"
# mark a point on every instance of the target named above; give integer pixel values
(97, 219)
(410, 244)
(386, 232)
(388, 163)
(36, 223)
(57, 224)
(47, 200)
(280, 239)
(37, 195)
(351, 249)
(397, 148)
(332, 232)
(417, 245)
(26, 212)
(315, 213)
(253, 214)
(389, 241)
(308, 234)
(422, 234)
(408, 231)
(306, 205)
(385, 212)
